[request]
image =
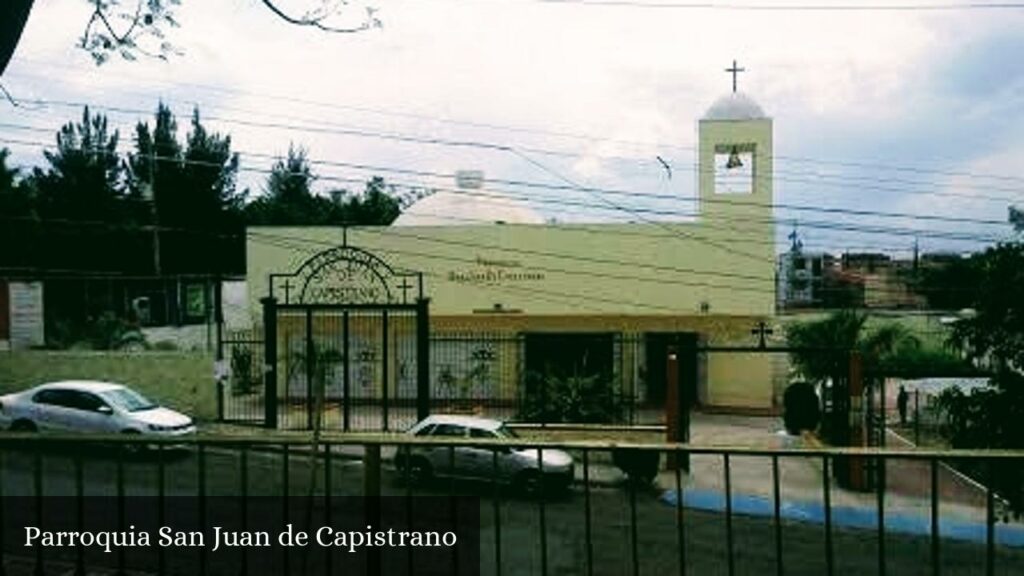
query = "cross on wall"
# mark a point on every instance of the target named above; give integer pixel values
(762, 331)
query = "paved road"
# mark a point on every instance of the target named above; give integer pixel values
(610, 549)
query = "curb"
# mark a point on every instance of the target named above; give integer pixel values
(620, 479)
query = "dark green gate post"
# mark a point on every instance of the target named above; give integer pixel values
(422, 358)
(270, 362)
(218, 320)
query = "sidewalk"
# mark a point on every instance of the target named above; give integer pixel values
(908, 493)
(908, 483)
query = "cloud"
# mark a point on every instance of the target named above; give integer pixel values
(933, 90)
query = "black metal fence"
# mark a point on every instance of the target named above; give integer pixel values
(240, 378)
(606, 379)
(737, 511)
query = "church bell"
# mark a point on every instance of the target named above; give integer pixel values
(734, 159)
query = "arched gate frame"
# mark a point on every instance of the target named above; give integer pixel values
(346, 341)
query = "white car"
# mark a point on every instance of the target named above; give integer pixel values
(520, 467)
(84, 406)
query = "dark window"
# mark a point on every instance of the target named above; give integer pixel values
(799, 263)
(426, 430)
(62, 398)
(450, 430)
(87, 401)
(478, 433)
(816, 267)
(45, 397)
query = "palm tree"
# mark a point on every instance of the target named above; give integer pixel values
(821, 353)
(844, 331)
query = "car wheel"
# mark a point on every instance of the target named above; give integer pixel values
(133, 447)
(529, 482)
(24, 426)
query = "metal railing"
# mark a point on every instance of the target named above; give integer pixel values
(481, 372)
(737, 510)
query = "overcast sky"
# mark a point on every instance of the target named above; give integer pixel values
(915, 111)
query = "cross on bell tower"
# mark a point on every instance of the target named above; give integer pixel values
(735, 70)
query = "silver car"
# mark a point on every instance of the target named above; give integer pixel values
(517, 466)
(87, 406)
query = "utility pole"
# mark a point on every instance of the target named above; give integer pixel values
(153, 209)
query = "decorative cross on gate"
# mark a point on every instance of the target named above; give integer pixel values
(287, 290)
(762, 331)
(405, 286)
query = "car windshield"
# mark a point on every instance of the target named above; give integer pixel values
(128, 400)
(503, 432)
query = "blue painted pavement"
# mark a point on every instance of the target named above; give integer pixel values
(847, 516)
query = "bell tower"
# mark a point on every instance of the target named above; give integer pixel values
(735, 169)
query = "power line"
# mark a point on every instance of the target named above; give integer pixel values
(322, 127)
(807, 7)
(572, 186)
(391, 232)
(681, 233)
(575, 299)
(555, 255)
(261, 235)
(642, 212)
(534, 130)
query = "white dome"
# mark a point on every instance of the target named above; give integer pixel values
(734, 106)
(467, 207)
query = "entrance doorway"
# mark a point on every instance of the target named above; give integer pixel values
(656, 345)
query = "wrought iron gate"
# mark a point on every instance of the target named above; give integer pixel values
(346, 346)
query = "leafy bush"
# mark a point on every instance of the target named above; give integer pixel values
(164, 346)
(802, 410)
(572, 399)
(61, 333)
(989, 418)
(111, 332)
(243, 381)
(925, 362)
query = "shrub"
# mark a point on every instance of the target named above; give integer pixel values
(572, 399)
(802, 411)
(242, 380)
(110, 332)
(164, 346)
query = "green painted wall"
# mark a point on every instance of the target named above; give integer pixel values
(180, 381)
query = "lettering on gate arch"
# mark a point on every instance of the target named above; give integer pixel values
(346, 275)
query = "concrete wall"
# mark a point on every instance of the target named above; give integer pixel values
(178, 380)
(549, 269)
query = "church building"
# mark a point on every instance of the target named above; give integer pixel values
(517, 293)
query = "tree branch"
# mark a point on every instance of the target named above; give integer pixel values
(98, 14)
(318, 22)
(15, 102)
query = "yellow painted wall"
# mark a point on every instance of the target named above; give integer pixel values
(629, 278)
(643, 269)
